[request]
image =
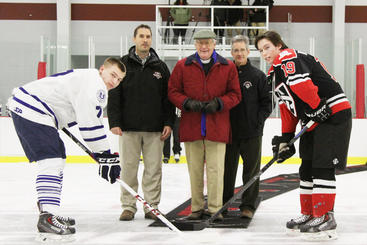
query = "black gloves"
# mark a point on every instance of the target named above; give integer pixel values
(198, 106)
(319, 114)
(212, 106)
(109, 166)
(281, 150)
(193, 105)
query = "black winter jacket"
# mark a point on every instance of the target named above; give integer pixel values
(248, 117)
(259, 15)
(140, 102)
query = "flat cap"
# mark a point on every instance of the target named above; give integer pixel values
(205, 34)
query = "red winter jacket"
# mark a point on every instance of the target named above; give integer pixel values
(188, 80)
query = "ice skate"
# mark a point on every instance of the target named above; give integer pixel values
(320, 228)
(293, 226)
(53, 228)
(65, 220)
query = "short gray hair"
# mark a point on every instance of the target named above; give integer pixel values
(241, 38)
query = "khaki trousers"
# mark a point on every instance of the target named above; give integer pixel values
(213, 154)
(132, 144)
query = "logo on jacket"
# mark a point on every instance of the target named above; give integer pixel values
(247, 84)
(157, 75)
(335, 161)
(101, 96)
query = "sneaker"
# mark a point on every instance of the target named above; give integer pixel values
(177, 158)
(127, 215)
(165, 160)
(48, 223)
(293, 226)
(246, 213)
(150, 215)
(320, 228)
(196, 215)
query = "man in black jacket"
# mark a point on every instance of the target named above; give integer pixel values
(247, 122)
(139, 111)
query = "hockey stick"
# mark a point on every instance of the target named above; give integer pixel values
(200, 225)
(126, 186)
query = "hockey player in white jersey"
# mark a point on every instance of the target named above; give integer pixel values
(42, 107)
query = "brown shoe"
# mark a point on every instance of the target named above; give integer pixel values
(218, 218)
(247, 214)
(150, 215)
(196, 215)
(127, 215)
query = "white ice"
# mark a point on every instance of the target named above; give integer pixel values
(95, 205)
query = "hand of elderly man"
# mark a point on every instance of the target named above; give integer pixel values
(193, 105)
(212, 106)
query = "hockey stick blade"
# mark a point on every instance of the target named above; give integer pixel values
(196, 225)
(126, 186)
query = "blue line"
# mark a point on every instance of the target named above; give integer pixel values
(28, 105)
(44, 104)
(91, 128)
(95, 139)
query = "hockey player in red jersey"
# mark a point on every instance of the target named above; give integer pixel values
(307, 91)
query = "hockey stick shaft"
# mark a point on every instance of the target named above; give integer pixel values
(126, 186)
(257, 176)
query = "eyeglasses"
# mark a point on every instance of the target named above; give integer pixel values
(242, 50)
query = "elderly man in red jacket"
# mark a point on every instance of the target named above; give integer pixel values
(205, 87)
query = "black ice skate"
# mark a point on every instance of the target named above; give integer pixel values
(293, 226)
(65, 220)
(320, 228)
(54, 228)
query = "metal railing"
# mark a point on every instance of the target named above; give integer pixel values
(206, 21)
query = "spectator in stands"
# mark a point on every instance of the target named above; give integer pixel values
(181, 17)
(205, 87)
(176, 141)
(234, 17)
(220, 17)
(257, 18)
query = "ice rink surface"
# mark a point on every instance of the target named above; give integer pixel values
(95, 205)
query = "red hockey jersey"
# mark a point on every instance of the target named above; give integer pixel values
(301, 80)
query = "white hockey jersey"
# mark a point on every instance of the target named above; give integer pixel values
(63, 100)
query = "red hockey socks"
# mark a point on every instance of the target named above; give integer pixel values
(323, 196)
(306, 197)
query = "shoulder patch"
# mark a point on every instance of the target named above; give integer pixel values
(286, 54)
(101, 96)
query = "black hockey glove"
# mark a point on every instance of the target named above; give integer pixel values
(321, 113)
(193, 105)
(212, 106)
(281, 150)
(109, 166)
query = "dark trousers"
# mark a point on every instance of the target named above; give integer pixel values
(176, 141)
(39, 141)
(219, 32)
(250, 151)
(179, 32)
